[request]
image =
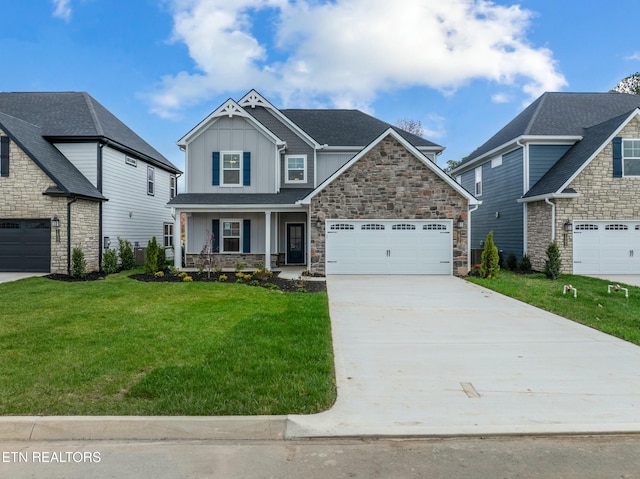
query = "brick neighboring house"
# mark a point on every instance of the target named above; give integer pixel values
(567, 169)
(73, 175)
(337, 191)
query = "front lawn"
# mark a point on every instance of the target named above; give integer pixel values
(123, 347)
(610, 313)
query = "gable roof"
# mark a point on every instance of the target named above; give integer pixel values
(556, 115)
(348, 128)
(77, 115)
(68, 180)
(578, 156)
(411, 149)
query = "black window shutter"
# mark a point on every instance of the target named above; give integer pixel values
(215, 233)
(246, 168)
(246, 236)
(4, 156)
(617, 157)
(216, 168)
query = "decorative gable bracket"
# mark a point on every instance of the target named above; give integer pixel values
(230, 109)
(254, 99)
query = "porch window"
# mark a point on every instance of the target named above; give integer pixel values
(231, 236)
(296, 168)
(631, 157)
(231, 168)
(168, 235)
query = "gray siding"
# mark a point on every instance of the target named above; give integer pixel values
(231, 134)
(501, 188)
(295, 146)
(330, 162)
(84, 156)
(543, 157)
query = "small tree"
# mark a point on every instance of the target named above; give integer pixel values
(151, 256)
(206, 256)
(489, 261)
(110, 261)
(127, 259)
(553, 264)
(525, 264)
(78, 264)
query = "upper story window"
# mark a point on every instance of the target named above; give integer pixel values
(231, 168)
(4, 156)
(173, 187)
(631, 157)
(495, 162)
(295, 169)
(151, 180)
(478, 183)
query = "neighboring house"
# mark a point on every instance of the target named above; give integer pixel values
(73, 175)
(335, 191)
(566, 169)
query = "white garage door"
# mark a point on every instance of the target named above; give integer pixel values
(389, 247)
(606, 247)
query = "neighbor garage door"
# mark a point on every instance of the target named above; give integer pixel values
(389, 247)
(606, 247)
(25, 245)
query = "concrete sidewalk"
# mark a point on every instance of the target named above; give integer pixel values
(429, 356)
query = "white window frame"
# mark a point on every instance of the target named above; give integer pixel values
(173, 186)
(478, 181)
(238, 169)
(223, 237)
(167, 233)
(495, 162)
(624, 158)
(151, 181)
(287, 169)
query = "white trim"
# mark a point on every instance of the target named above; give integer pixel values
(635, 113)
(497, 161)
(240, 168)
(636, 158)
(151, 181)
(550, 196)
(222, 237)
(287, 169)
(477, 182)
(409, 147)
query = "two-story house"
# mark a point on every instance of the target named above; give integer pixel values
(337, 191)
(73, 175)
(566, 169)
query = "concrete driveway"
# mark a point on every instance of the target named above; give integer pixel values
(436, 355)
(6, 277)
(630, 279)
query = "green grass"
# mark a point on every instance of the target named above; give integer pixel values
(123, 347)
(594, 307)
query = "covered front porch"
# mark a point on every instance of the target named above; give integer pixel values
(250, 236)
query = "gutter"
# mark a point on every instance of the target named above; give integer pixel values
(550, 196)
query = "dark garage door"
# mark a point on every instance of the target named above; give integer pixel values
(25, 245)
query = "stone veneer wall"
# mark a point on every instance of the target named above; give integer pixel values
(21, 198)
(229, 260)
(387, 183)
(602, 197)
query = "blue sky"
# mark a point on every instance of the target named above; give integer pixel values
(462, 67)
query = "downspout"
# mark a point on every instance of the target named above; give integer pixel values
(525, 188)
(73, 200)
(99, 186)
(475, 207)
(553, 218)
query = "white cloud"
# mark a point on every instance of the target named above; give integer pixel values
(346, 52)
(501, 98)
(635, 56)
(62, 9)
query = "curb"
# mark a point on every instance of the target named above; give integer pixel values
(56, 428)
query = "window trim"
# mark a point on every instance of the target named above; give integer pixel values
(151, 181)
(173, 187)
(478, 181)
(635, 158)
(167, 235)
(239, 169)
(287, 169)
(222, 236)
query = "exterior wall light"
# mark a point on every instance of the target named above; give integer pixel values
(567, 226)
(55, 222)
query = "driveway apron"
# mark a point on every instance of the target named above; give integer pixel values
(436, 355)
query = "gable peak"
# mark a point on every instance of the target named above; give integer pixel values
(254, 99)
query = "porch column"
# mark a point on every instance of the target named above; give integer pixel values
(177, 243)
(267, 240)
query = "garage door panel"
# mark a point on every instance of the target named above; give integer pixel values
(25, 245)
(605, 247)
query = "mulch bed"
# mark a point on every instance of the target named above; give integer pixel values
(88, 277)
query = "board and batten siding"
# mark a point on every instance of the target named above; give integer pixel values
(330, 162)
(131, 213)
(501, 188)
(83, 156)
(230, 134)
(542, 158)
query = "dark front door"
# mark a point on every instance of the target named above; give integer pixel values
(295, 243)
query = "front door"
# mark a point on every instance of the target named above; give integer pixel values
(295, 243)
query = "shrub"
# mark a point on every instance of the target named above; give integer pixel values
(162, 258)
(182, 274)
(127, 259)
(553, 264)
(223, 277)
(110, 261)
(525, 264)
(240, 266)
(151, 256)
(78, 264)
(512, 262)
(187, 279)
(489, 260)
(159, 274)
